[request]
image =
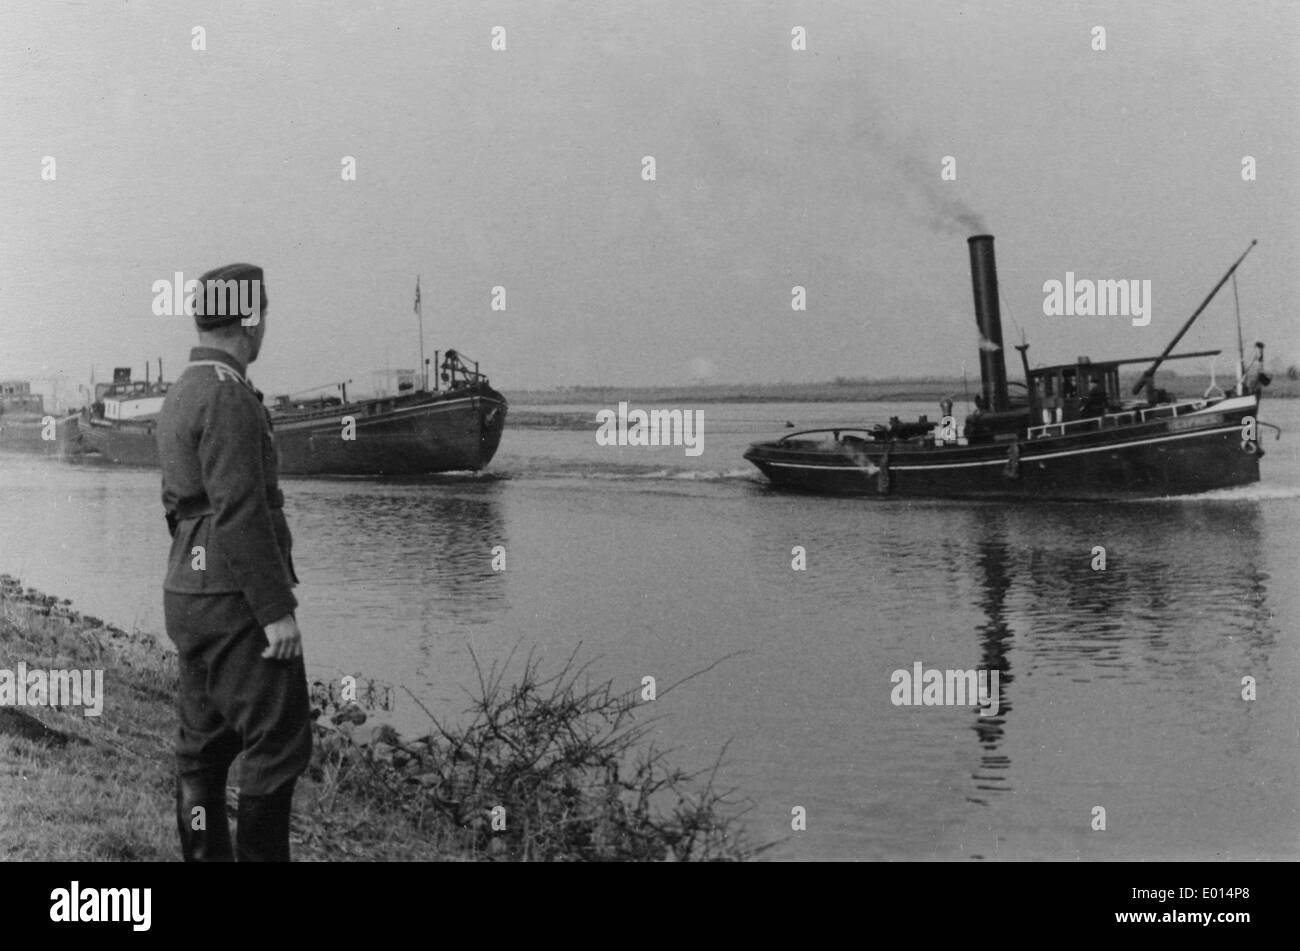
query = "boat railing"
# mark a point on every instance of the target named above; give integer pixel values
(366, 406)
(1111, 420)
(834, 430)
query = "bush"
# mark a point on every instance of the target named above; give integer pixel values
(561, 764)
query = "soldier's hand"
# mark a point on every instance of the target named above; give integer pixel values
(285, 641)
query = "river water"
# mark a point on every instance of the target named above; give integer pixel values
(1119, 688)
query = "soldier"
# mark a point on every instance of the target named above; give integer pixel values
(1256, 379)
(1096, 403)
(228, 599)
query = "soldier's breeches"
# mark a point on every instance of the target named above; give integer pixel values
(231, 699)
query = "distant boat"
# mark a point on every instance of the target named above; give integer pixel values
(118, 427)
(416, 431)
(1070, 434)
(26, 427)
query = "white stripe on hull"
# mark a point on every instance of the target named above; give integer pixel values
(1025, 458)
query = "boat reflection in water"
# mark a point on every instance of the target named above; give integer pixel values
(1143, 653)
(407, 574)
(995, 638)
(442, 540)
(1069, 434)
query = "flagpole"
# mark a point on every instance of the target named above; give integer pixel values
(419, 312)
(1241, 349)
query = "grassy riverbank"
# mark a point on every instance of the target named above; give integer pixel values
(541, 767)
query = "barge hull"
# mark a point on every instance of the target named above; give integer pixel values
(25, 434)
(447, 435)
(121, 445)
(456, 434)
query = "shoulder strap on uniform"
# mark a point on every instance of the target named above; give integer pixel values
(224, 370)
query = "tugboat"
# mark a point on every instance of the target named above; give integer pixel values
(417, 431)
(1070, 433)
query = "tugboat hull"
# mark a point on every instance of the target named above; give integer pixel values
(1197, 447)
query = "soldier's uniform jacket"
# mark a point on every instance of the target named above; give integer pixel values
(220, 489)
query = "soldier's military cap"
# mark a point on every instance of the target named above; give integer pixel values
(225, 295)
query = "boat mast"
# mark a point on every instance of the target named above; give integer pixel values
(1241, 348)
(1149, 374)
(424, 376)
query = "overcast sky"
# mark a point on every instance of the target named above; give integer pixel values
(523, 168)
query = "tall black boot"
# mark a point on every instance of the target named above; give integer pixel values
(204, 790)
(262, 833)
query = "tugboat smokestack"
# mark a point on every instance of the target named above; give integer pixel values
(984, 281)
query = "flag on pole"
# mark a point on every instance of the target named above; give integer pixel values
(424, 373)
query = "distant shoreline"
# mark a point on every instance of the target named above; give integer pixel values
(922, 390)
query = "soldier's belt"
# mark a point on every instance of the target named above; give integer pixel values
(197, 508)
